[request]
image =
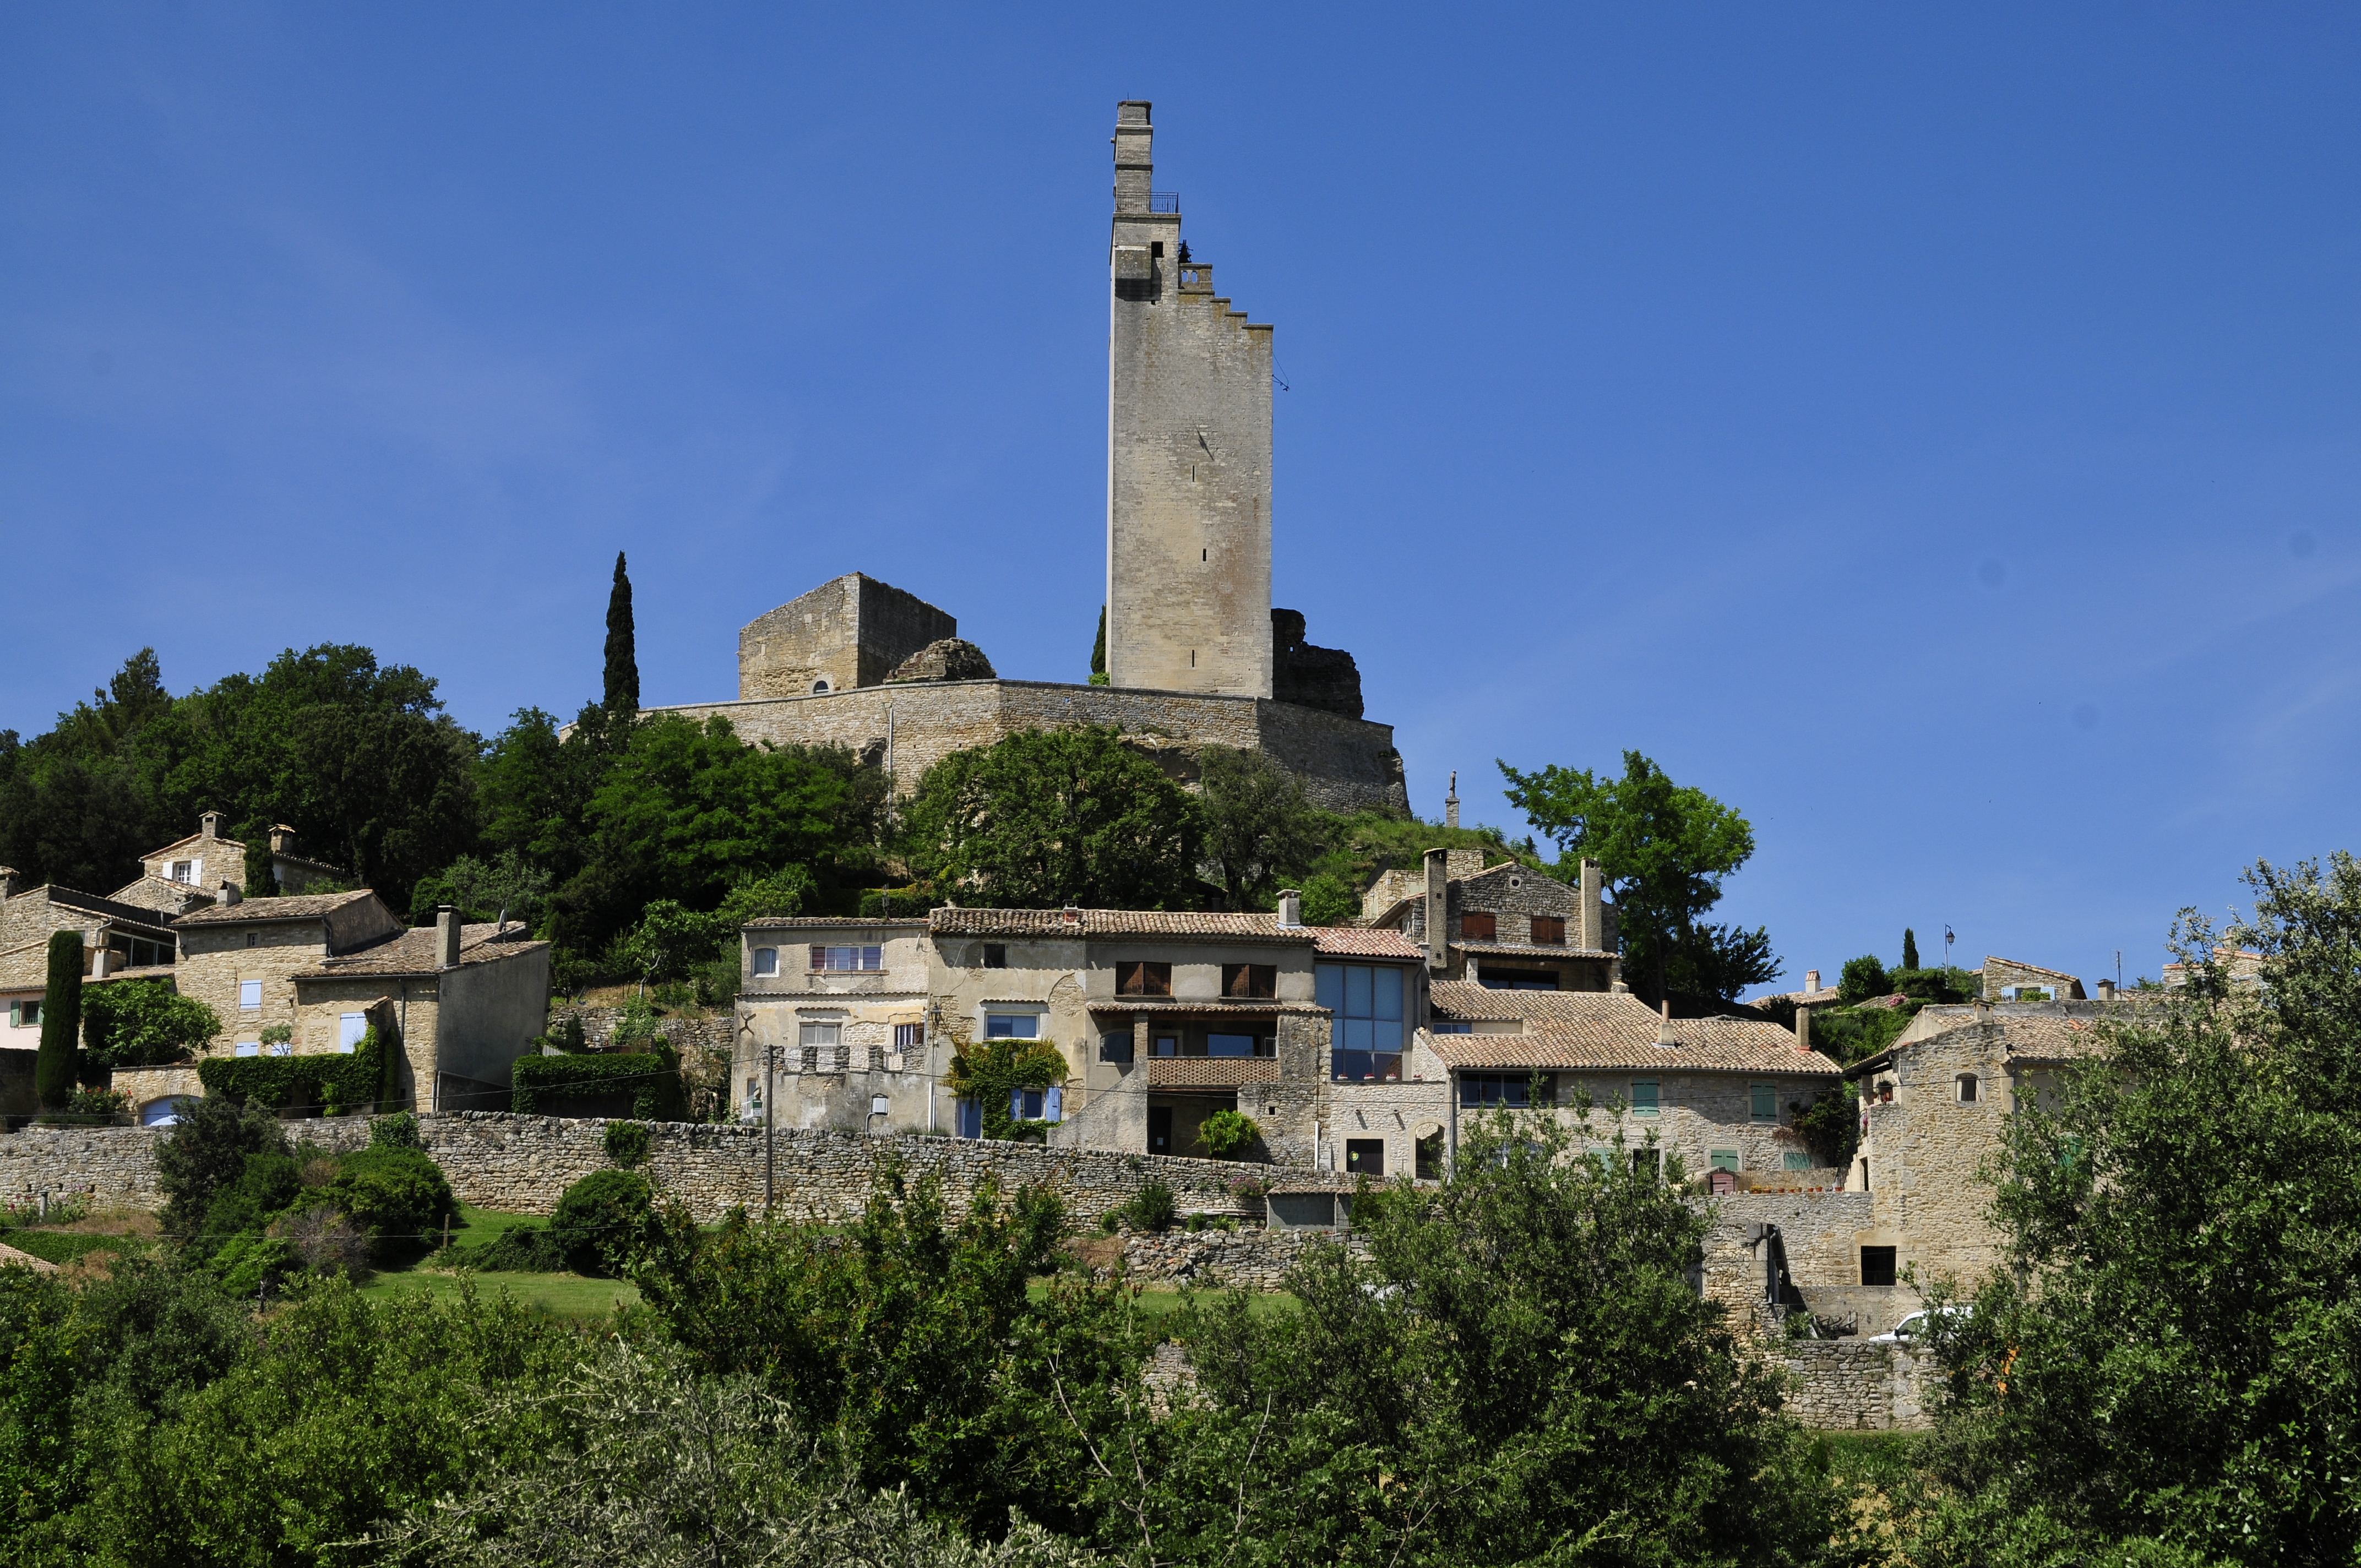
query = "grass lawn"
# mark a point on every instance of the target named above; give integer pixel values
(63, 1247)
(481, 1227)
(567, 1295)
(1154, 1303)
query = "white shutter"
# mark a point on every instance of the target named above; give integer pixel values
(350, 1028)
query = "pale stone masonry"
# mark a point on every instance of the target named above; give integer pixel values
(850, 631)
(1506, 926)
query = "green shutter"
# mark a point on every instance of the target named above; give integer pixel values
(1766, 1102)
(1643, 1097)
(1723, 1159)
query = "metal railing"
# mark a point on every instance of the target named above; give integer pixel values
(1164, 200)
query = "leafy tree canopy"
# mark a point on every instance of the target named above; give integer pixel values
(143, 1022)
(1257, 827)
(1045, 818)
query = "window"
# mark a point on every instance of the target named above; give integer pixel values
(1476, 927)
(1488, 1091)
(1229, 1045)
(249, 996)
(1450, 1026)
(995, 955)
(970, 1119)
(1795, 1160)
(1037, 1105)
(181, 870)
(1011, 1025)
(252, 939)
(350, 1028)
(1722, 1159)
(1549, 930)
(1250, 979)
(1364, 1007)
(1365, 1156)
(910, 1036)
(25, 1015)
(247, 1048)
(1645, 1162)
(1140, 978)
(848, 959)
(820, 688)
(1645, 1099)
(1967, 1089)
(1115, 1048)
(767, 962)
(1167, 1046)
(1766, 1102)
(819, 1032)
(1430, 1158)
(1877, 1266)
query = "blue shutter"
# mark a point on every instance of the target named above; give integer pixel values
(1017, 1105)
(1055, 1108)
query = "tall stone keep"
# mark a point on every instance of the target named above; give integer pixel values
(1189, 405)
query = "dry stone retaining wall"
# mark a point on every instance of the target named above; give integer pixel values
(1248, 1259)
(521, 1165)
(1852, 1384)
(686, 1034)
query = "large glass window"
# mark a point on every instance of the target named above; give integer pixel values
(767, 960)
(1493, 1090)
(1011, 1025)
(1364, 1007)
(856, 959)
(1229, 1045)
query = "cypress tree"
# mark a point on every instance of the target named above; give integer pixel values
(53, 1067)
(1098, 649)
(622, 654)
(260, 881)
(1909, 949)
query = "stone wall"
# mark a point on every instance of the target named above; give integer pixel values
(1250, 1258)
(686, 1035)
(521, 1165)
(1345, 763)
(1851, 1384)
(850, 632)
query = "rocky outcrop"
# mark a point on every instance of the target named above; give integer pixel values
(1322, 678)
(952, 659)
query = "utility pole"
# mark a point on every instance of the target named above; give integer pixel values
(770, 1143)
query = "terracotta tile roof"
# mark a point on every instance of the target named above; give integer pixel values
(412, 952)
(1102, 925)
(836, 923)
(295, 906)
(1466, 999)
(1579, 1029)
(1530, 950)
(1364, 942)
(2033, 1032)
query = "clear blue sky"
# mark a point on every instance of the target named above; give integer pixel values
(1934, 434)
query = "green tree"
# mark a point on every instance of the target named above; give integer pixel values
(622, 699)
(1663, 850)
(602, 1221)
(669, 940)
(508, 885)
(1098, 652)
(55, 1068)
(1517, 1370)
(80, 804)
(1329, 899)
(207, 1152)
(143, 1022)
(1045, 818)
(2176, 1307)
(1863, 978)
(261, 877)
(1257, 827)
(1909, 949)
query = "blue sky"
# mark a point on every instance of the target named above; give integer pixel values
(1935, 435)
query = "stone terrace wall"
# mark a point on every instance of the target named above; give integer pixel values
(520, 1164)
(598, 1027)
(1851, 1384)
(1251, 1259)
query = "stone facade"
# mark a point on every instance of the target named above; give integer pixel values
(1345, 764)
(1324, 678)
(2005, 979)
(1188, 454)
(952, 659)
(686, 1035)
(1503, 926)
(847, 632)
(1851, 1384)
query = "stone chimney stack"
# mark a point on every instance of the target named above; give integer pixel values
(1593, 936)
(2106, 990)
(209, 824)
(230, 894)
(446, 938)
(9, 882)
(1290, 908)
(1451, 802)
(1811, 980)
(282, 839)
(1664, 1040)
(1803, 1028)
(1438, 909)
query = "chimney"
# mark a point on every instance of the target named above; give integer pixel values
(1438, 909)
(2106, 990)
(1290, 908)
(98, 955)
(1593, 935)
(1451, 802)
(447, 936)
(7, 881)
(230, 894)
(1803, 1028)
(209, 824)
(282, 839)
(1664, 1040)
(1811, 980)
(1071, 916)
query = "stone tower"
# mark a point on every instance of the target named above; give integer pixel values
(1188, 404)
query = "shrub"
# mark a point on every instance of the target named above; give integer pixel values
(527, 1249)
(53, 1067)
(337, 1079)
(1864, 977)
(602, 1218)
(399, 1131)
(1228, 1133)
(627, 1143)
(650, 1077)
(1329, 899)
(205, 1153)
(566, 1035)
(1151, 1208)
(267, 1183)
(252, 1261)
(398, 1196)
(143, 1022)
(327, 1242)
(97, 1104)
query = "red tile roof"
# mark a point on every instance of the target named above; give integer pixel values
(1596, 1029)
(1102, 925)
(1365, 942)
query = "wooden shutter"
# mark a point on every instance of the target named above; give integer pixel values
(1549, 930)
(1475, 927)
(1131, 979)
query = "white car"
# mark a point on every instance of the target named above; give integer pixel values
(1918, 1325)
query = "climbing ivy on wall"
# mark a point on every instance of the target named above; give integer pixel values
(991, 1072)
(338, 1081)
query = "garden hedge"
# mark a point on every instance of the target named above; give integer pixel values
(652, 1079)
(340, 1080)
